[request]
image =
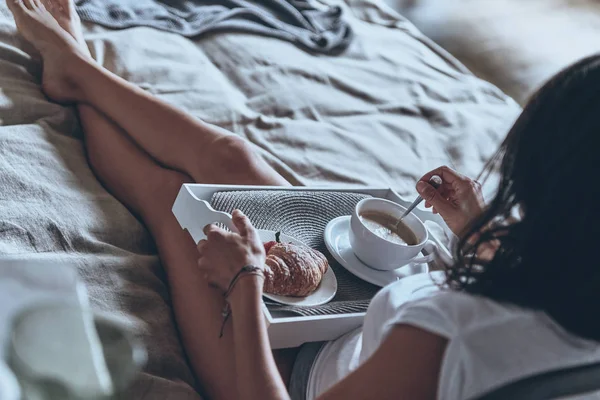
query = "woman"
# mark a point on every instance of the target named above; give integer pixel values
(526, 302)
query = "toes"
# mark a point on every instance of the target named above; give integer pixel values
(26, 4)
(15, 5)
(49, 5)
(19, 10)
(22, 5)
(36, 4)
(59, 9)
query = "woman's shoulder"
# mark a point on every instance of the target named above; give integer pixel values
(425, 291)
(464, 311)
(423, 303)
(463, 304)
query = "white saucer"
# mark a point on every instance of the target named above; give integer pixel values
(324, 293)
(338, 244)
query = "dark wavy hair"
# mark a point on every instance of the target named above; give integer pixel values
(549, 167)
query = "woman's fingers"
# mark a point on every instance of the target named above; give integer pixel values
(445, 191)
(214, 233)
(457, 200)
(243, 224)
(223, 253)
(447, 174)
(201, 246)
(434, 198)
(203, 265)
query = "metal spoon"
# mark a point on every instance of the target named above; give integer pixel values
(434, 181)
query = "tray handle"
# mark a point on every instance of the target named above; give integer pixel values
(193, 214)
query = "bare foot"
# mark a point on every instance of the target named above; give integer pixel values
(65, 14)
(59, 47)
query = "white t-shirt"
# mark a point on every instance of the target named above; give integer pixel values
(489, 344)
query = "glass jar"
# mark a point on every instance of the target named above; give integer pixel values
(60, 351)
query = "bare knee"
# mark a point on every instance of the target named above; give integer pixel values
(232, 160)
(233, 156)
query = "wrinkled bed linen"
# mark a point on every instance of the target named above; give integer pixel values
(388, 109)
(320, 30)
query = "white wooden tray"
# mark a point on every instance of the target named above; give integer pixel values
(292, 331)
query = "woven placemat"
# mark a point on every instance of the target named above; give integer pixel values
(304, 215)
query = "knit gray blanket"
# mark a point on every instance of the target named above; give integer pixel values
(320, 30)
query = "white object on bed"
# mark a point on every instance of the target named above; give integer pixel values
(75, 357)
(9, 387)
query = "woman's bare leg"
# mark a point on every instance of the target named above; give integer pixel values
(149, 190)
(169, 135)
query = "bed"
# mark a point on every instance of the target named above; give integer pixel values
(393, 106)
(516, 44)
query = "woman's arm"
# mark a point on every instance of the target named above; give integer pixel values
(257, 374)
(406, 366)
(222, 258)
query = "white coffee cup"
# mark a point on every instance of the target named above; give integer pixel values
(379, 253)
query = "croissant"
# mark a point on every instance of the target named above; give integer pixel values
(293, 270)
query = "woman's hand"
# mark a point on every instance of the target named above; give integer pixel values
(458, 200)
(223, 254)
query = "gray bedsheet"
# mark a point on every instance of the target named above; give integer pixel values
(314, 29)
(390, 108)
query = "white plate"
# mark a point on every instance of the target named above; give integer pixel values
(338, 244)
(324, 293)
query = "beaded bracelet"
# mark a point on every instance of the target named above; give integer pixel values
(246, 270)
